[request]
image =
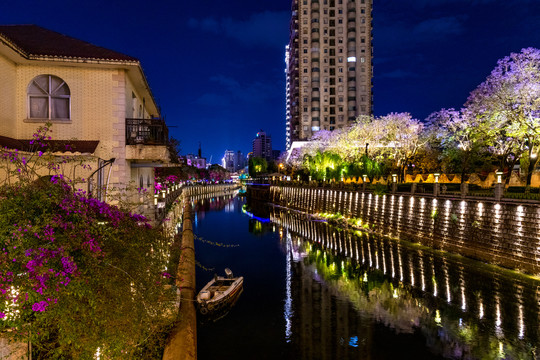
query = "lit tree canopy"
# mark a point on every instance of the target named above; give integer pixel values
(509, 100)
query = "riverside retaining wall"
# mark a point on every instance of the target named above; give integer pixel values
(502, 233)
(182, 342)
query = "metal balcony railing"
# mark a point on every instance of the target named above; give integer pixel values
(146, 132)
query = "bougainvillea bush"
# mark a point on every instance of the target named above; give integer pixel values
(79, 277)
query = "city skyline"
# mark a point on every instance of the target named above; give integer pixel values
(217, 69)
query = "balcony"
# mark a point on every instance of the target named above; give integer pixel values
(146, 132)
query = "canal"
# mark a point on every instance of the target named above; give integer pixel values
(313, 291)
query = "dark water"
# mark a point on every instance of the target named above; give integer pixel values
(312, 291)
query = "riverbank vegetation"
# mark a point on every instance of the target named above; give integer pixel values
(498, 129)
(78, 277)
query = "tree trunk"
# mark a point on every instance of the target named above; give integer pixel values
(511, 170)
(464, 165)
(532, 165)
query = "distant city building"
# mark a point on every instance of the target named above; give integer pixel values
(276, 154)
(228, 160)
(328, 66)
(262, 146)
(233, 161)
(239, 161)
(198, 162)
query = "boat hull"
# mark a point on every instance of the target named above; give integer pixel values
(219, 293)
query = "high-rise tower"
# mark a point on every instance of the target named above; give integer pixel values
(329, 68)
(262, 146)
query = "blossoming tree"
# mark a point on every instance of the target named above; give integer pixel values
(509, 101)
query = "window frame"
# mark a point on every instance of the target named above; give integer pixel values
(49, 96)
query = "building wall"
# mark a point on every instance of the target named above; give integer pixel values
(330, 68)
(502, 233)
(101, 99)
(8, 81)
(121, 170)
(92, 102)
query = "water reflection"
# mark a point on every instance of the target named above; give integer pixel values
(342, 286)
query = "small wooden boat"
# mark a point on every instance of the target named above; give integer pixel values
(219, 292)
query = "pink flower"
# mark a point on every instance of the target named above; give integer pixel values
(40, 306)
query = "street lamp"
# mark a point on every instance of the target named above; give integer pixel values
(394, 178)
(499, 176)
(437, 177)
(364, 177)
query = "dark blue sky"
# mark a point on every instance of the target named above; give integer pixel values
(216, 68)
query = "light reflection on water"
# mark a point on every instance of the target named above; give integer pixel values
(483, 312)
(331, 294)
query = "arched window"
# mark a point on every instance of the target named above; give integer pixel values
(141, 182)
(49, 98)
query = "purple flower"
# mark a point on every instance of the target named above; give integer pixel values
(40, 306)
(68, 265)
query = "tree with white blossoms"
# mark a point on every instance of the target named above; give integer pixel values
(367, 131)
(462, 136)
(509, 100)
(401, 140)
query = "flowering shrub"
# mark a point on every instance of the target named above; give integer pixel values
(77, 274)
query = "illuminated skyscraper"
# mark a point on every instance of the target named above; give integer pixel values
(328, 65)
(262, 146)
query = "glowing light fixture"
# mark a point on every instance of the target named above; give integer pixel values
(499, 176)
(436, 177)
(394, 178)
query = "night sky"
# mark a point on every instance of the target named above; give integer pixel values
(216, 68)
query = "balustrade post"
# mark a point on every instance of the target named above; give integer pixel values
(464, 190)
(499, 186)
(364, 182)
(437, 187)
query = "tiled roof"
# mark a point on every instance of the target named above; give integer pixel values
(64, 146)
(33, 40)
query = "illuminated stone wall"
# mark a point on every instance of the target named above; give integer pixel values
(12, 351)
(503, 233)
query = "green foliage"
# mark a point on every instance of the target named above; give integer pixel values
(77, 274)
(380, 189)
(111, 296)
(325, 165)
(173, 146)
(257, 166)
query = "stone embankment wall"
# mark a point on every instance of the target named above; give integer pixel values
(182, 342)
(12, 351)
(502, 233)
